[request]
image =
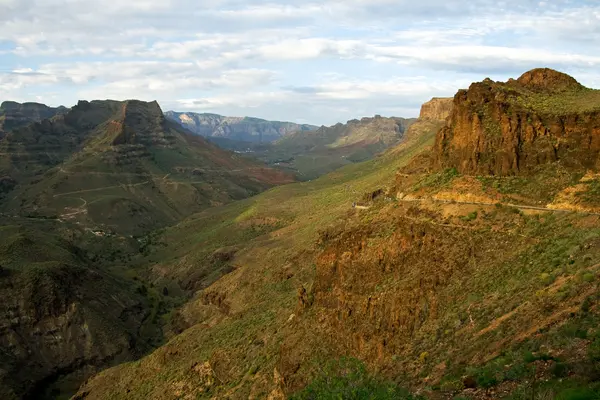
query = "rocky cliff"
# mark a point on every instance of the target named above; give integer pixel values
(438, 108)
(238, 128)
(61, 317)
(509, 128)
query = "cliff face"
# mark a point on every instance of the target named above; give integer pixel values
(510, 128)
(142, 124)
(237, 128)
(61, 318)
(438, 108)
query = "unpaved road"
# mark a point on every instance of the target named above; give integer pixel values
(519, 206)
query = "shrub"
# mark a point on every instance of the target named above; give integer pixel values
(594, 350)
(546, 278)
(578, 394)
(348, 379)
(471, 216)
(588, 277)
(559, 369)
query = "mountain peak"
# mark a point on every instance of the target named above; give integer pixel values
(140, 122)
(548, 80)
(14, 115)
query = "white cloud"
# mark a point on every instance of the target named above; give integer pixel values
(286, 59)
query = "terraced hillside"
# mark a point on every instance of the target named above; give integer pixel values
(449, 284)
(121, 166)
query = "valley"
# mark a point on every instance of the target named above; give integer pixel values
(446, 283)
(305, 151)
(450, 256)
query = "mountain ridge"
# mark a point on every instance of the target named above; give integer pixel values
(135, 144)
(249, 129)
(14, 115)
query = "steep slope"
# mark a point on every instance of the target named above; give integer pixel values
(245, 129)
(313, 153)
(64, 314)
(121, 166)
(433, 281)
(14, 115)
(512, 128)
(267, 246)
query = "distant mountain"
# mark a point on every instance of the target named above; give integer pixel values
(313, 153)
(245, 129)
(14, 115)
(121, 166)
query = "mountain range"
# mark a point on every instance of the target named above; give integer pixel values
(244, 129)
(306, 151)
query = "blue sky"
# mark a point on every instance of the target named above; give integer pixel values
(319, 62)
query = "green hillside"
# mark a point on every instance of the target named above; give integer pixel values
(266, 244)
(310, 154)
(121, 166)
(72, 304)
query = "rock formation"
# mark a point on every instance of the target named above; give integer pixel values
(438, 108)
(511, 128)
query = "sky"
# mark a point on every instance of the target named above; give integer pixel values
(318, 62)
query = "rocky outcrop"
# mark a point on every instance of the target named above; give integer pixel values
(511, 128)
(142, 123)
(437, 109)
(237, 128)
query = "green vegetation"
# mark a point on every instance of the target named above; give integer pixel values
(592, 193)
(86, 167)
(543, 184)
(578, 100)
(437, 180)
(310, 154)
(348, 379)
